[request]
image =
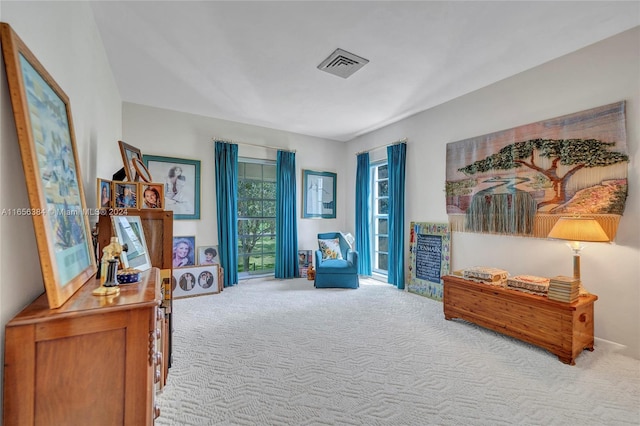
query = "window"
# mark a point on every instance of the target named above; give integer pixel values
(256, 217)
(380, 217)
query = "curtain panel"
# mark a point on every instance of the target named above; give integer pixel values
(286, 222)
(363, 213)
(226, 165)
(396, 157)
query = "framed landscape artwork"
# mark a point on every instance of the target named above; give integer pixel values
(181, 180)
(47, 146)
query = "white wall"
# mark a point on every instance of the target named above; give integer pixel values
(597, 75)
(64, 38)
(174, 134)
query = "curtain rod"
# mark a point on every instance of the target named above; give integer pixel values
(253, 144)
(383, 146)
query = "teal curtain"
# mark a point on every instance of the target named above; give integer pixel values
(226, 163)
(396, 157)
(363, 215)
(286, 223)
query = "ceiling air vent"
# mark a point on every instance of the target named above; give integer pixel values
(342, 63)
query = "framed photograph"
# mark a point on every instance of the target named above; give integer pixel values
(104, 194)
(319, 195)
(181, 184)
(48, 149)
(208, 255)
(305, 259)
(195, 281)
(129, 154)
(129, 231)
(125, 195)
(152, 195)
(184, 251)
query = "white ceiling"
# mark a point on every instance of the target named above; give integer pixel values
(255, 62)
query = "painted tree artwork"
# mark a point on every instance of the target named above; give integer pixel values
(519, 181)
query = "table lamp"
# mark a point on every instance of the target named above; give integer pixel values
(577, 230)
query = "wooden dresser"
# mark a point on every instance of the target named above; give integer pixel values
(93, 361)
(564, 329)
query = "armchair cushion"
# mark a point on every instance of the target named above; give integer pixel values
(330, 248)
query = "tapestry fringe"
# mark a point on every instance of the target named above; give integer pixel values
(542, 224)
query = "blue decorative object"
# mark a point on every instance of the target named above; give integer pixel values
(337, 273)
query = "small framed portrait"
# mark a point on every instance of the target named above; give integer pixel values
(208, 255)
(104, 194)
(152, 195)
(125, 195)
(195, 281)
(129, 154)
(184, 251)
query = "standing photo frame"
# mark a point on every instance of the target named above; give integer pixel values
(319, 195)
(50, 160)
(208, 255)
(125, 195)
(129, 155)
(184, 251)
(151, 196)
(104, 194)
(181, 179)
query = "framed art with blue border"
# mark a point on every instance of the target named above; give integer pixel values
(181, 179)
(319, 195)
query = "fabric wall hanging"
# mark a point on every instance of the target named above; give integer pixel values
(520, 181)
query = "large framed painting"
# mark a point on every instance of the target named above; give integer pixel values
(181, 184)
(429, 258)
(319, 195)
(50, 161)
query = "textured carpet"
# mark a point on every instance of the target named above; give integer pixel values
(271, 352)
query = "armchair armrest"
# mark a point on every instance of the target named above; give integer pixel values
(352, 257)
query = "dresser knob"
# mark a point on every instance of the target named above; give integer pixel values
(157, 376)
(158, 358)
(158, 333)
(156, 411)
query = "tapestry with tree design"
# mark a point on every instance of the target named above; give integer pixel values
(521, 180)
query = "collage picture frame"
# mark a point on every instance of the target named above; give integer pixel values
(195, 281)
(138, 195)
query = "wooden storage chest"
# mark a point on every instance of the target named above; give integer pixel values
(564, 329)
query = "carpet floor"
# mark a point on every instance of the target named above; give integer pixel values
(280, 352)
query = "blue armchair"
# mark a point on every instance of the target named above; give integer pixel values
(333, 270)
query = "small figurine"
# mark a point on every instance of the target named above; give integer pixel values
(109, 269)
(311, 273)
(111, 251)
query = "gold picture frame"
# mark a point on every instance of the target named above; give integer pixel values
(48, 149)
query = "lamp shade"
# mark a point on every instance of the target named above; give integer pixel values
(578, 229)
